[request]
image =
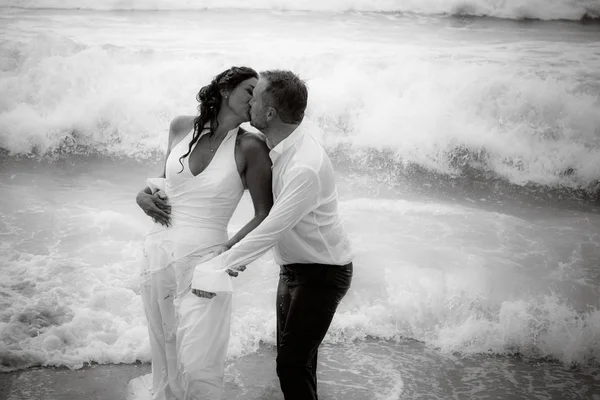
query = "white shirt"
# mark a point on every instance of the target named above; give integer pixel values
(304, 225)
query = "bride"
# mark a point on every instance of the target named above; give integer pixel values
(210, 161)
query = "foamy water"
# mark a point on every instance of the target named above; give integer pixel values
(459, 278)
(513, 9)
(517, 102)
(87, 98)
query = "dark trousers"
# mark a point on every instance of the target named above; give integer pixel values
(307, 297)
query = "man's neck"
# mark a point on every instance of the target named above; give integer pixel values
(279, 133)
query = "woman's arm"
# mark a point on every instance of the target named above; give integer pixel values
(258, 177)
(156, 205)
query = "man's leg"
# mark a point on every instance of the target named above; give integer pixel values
(309, 313)
(314, 366)
(282, 306)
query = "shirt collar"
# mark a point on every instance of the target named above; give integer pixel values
(285, 144)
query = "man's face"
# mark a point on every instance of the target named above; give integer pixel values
(258, 110)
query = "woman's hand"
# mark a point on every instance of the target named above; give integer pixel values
(156, 206)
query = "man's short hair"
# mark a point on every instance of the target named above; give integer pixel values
(287, 93)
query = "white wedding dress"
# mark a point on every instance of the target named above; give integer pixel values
(189, 335)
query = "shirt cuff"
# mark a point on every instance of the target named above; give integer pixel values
(211, 276)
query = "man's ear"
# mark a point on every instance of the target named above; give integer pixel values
(271, 114)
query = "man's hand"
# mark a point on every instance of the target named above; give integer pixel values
(156, 206)
(217, 249)
(202, 293)
(236, 270)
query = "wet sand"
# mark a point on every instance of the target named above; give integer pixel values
(102, 382)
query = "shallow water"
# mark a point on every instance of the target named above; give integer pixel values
(410, 370)
(475, 283)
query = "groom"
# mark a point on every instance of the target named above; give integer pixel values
(303, 228)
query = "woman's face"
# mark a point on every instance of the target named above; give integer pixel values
(239, 98)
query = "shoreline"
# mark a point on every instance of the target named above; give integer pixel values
(388, 369)
(98, 381)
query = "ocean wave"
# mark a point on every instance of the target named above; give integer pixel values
(460, 279)
(514, 9)
(542, 329)
(481, 283)
(446, 115)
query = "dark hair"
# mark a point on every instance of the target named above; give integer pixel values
(210, 98)
(287, 93)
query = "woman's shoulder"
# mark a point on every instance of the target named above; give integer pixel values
(253, 146)
(182, 123)
(180, 126)
(252, 140)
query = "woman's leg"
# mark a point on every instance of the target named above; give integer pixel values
(202, 340)
(160, 313)
(157, 342)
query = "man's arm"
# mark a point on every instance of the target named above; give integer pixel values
(298, 197)
(156, 205)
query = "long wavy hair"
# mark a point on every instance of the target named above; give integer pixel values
(210, 99)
